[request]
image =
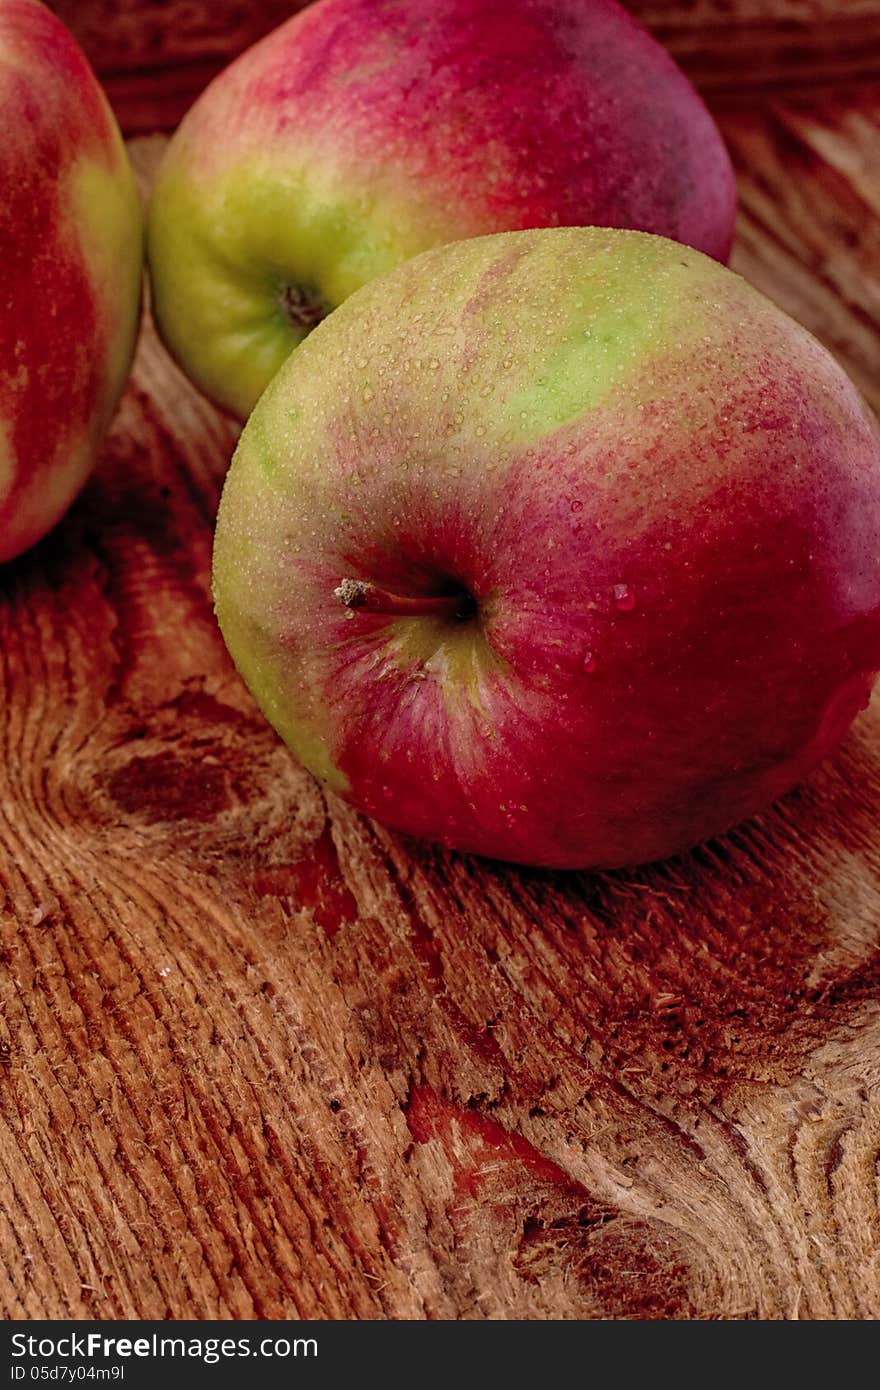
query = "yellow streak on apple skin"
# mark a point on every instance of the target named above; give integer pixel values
(7, 462)
(250, 637)
(106, 219)
(105, 227)
(43, 504)
(48, 494)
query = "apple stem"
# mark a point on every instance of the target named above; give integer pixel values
(369, 598)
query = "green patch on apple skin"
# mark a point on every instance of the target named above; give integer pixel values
(248, 592)
(456, 657)
(105, 218)
(254, 651)
(215, 314)
(7, 462)
(622, 302)
(226, 256)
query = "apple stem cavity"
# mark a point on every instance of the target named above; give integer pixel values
(302, 307)
(369, 598)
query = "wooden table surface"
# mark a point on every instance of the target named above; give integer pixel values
(260, 1058)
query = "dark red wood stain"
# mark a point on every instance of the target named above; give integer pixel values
(482, 1144)
(314, 882)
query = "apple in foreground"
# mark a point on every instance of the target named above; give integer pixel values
(71, 251)
(559, 546)
(361, 133)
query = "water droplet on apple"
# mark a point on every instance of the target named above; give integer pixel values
(576, 505)
(624, 598)
(589, 662)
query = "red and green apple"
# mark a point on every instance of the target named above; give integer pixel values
(71, 252)
(362, 132)
(560, 546)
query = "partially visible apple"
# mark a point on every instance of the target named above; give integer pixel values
(559, 546)
(71, 264)
(362, 132)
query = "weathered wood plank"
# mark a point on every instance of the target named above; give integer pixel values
(808, 232)
(154, 59)
(734, 48)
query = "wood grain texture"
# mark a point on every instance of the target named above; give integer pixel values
(262, 1058)
(733, 48)
(808, 229)
(154, 58)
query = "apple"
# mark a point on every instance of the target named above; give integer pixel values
(362, 132)
(559, 546)
(72, 255)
